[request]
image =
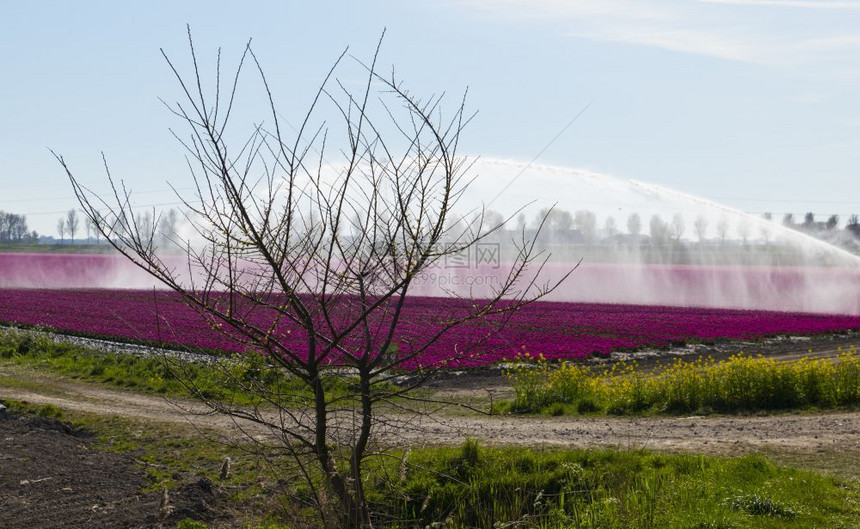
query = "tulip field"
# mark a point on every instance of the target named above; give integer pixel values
(556, 330)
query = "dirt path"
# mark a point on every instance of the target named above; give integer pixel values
(838, 431)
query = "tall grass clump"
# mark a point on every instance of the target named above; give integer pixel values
(740, 383)
(475, 486)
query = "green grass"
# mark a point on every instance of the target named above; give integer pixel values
(57, 248)
(489, 487)
(229, 378)
(738, 384)
(475, 486)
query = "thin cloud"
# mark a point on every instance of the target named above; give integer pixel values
(720, 29)
(684, 41)
(803, 4)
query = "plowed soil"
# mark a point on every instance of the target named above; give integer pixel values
(51, 476)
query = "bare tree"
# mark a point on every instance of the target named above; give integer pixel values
(744, 229)
(89, 226)
(586, 222)
(96, 232)
(167, 226)
(677, 227)
(277, 270)
(145, 224)
(610, 229)
(853, 225)
(61, 229)
(72, 223)
(658, 230)
(634, 224)
(722, 229)
(521, 223)
(765, 228)
(556, 220)
(491, 219)
(808, 221)
(13, 228)
(701, 227)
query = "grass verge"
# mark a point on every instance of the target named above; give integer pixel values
(238, 379)
(491, 487)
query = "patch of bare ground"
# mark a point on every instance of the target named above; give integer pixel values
(52, 476)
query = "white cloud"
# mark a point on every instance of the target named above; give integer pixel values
(804, 4)
(683, 41)
(722, 29)
(553, 9)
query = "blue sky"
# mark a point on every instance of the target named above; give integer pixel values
(752, 103)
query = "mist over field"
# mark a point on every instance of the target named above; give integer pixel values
(685, 251)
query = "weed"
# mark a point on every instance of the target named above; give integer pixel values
(740, 383)
(756, 505)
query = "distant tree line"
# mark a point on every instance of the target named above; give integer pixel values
(813, 227)
(160, 229)
(560, 226)
(584, 227)
(13, 229)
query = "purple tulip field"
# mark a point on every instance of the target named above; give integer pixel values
(557, 330)
(651, 306)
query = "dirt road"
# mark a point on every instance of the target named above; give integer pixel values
(839, 431)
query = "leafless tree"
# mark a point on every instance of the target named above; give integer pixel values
(634, 224)
(521, 223)
(808, 221)
(658, 230)
(311, 263)
(167, 227)
(61, 229)
(72, 223)
(89, 226)
(744, 230)
(556, 220)
(491, 219)
(677, 227)
(13, 228)
(765, 228)
(586, 222)
(722, 229)
(853, 225)
(701, 227)
(144, 222)
(610, 229)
